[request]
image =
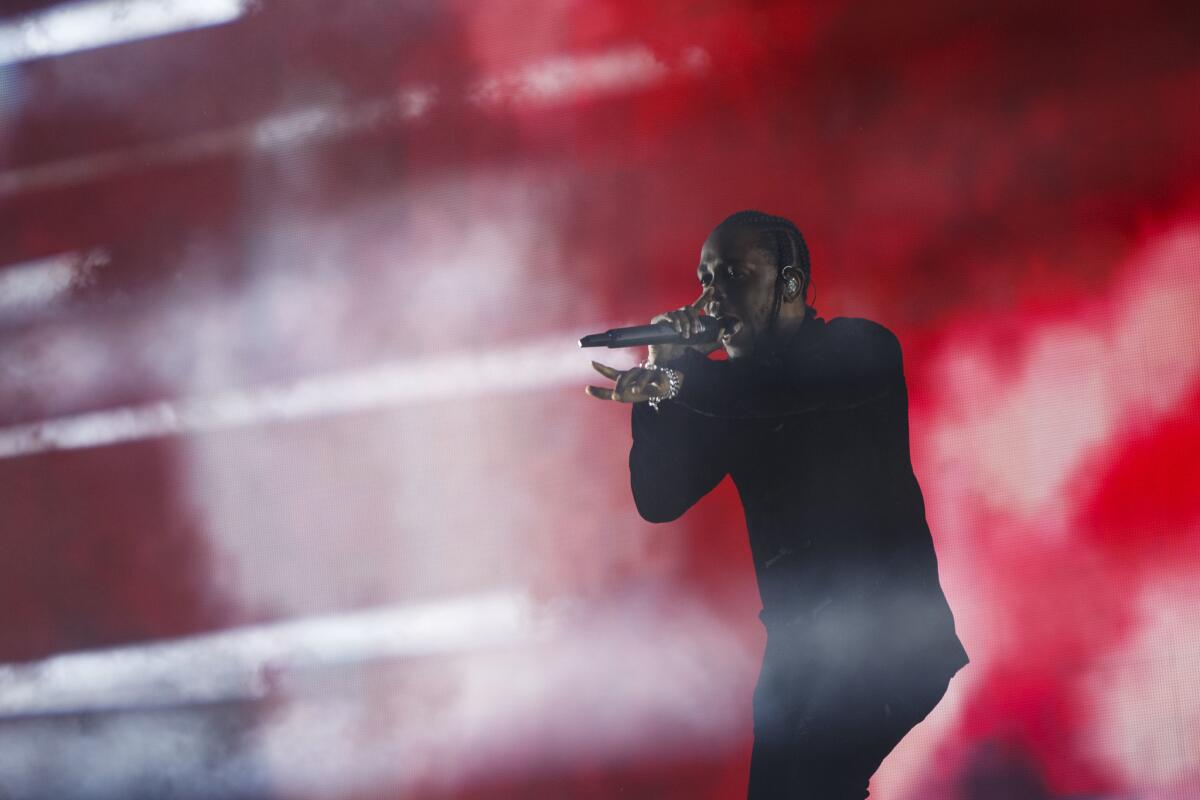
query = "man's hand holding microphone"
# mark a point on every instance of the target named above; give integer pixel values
(652, 381)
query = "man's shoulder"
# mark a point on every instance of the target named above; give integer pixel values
(860, 328)
(864, 337)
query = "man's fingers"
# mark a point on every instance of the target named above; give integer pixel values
(689, 320)
(636, 386)
(645, 386)
(693, 312)
(626, 387)
(633, 386)
(606, 371)
(699, 302)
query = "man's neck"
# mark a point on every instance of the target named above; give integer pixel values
(766, 348)
(788, 326)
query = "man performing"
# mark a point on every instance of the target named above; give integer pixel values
(810, 418)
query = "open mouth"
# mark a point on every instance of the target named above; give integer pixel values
(730, 325)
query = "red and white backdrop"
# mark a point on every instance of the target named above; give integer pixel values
(301, 495)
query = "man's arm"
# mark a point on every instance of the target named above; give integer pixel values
(858, 361)
(677, 457)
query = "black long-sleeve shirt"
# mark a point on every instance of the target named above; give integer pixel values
(815, 438)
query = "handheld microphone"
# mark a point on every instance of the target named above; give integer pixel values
(658, 333)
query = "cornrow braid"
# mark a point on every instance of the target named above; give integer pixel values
(790, 250)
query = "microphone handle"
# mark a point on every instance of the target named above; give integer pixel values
(658, 333)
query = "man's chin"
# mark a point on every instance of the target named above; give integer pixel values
(735, 347)
(740, 344)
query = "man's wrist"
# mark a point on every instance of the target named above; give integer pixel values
(674, 382)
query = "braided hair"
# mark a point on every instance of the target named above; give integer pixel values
(790, 249)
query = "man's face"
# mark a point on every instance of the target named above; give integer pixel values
(737, 263)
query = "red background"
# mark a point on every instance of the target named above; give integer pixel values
(1014, 189)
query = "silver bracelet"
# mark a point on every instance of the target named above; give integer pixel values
(673, 383)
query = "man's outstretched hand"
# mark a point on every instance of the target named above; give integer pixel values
(635, 385)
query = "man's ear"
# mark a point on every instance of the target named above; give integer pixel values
(794, 276)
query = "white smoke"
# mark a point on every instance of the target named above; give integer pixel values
(1129, 354)
(651, 674)
(1019, 436)
(1144, 696)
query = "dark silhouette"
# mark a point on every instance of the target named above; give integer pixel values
(810, 419)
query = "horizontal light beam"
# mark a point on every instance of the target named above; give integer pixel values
(280, 131)
(549, 363)
(570, 78)
(88, 24)
(33, 285)
(546, 83)
(238, 664)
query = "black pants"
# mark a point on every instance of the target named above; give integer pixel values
(823, 722)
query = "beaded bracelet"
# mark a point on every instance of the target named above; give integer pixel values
(673, 383)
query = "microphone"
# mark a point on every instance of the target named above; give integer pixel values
(658, 333)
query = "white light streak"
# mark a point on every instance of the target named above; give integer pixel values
(569, 78)
(288, 128)
(544, 364)
(322, 122)
(549, 82)
(27, 287)
(400, 728)
(238, 664)
(88, 24)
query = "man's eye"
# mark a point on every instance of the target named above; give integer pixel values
(731, 272)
